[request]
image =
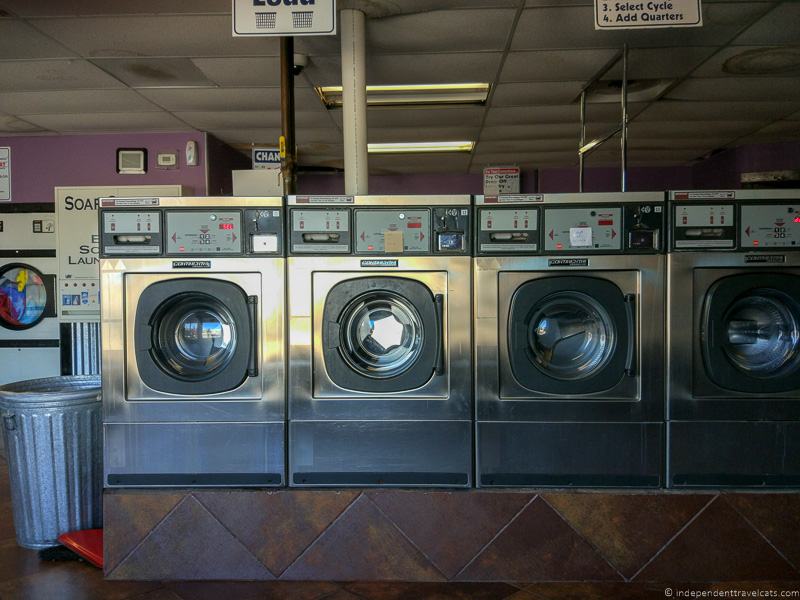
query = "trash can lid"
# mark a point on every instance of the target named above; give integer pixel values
(49, 391)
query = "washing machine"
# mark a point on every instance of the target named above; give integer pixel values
(193, 341)
(569, 328)
(380, 343)
(29, 333)
(734, 339)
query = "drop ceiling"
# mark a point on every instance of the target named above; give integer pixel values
(85, 66)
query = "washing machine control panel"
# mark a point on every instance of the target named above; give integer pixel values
(320, 230)
(204, 232)
(508, 229)
(769, 226)
(264, 230)
(131, 232)
(589, 229)
(703, 226)
(393, 231)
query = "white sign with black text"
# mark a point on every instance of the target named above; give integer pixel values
(284, 17)
(266, 158)
(501, 180)
(5, 174)
(611, 14)
(79, 244)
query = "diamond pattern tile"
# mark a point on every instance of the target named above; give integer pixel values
(362, 545)
(538, 546)
(433, 591)
(776, 516)
(191, 544)
(718, 545)
(628, 529)
(128, 518)
(450, 528)
(276, 526)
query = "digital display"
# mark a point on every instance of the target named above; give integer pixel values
(226, 226)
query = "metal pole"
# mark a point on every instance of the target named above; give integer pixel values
(624, 139)
(287, 115)
(354, 102)
(583, 141)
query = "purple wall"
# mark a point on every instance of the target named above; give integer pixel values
(724, 169)
(40, 163)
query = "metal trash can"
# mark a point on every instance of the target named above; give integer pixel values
(52, 428)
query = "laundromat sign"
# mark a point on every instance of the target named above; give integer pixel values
(284, 17)
(610, 14)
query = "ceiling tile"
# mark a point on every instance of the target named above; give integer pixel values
(677, 110)
(248, 135)
(221, 99)
(542, 131)
(187, 35)
(738, 89)
(779, 26)
(441, 31)
(20, 40)
(243, 72)
(562, 113)
(567, 144)
(144, 121)
(74, 101)
(13, 125)
(661, 63)
(424, 117)
(154, 72)
(257, 119)
(59, 8)
(551, 65)
(715, 66)
(72, 74)
(544, 92)
(422, 134)
(460, 67)
(573, 27)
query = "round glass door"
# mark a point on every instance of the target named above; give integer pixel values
(23, 297)
(382, 335)
(762, 337)
(194, 336)
(570, 335)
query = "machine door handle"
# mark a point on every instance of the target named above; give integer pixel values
(439, 300)
(252, 308)
(630, 314)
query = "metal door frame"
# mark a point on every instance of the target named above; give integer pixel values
(642, 275)
(445, 397)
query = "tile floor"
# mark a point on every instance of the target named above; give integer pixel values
(23, 576)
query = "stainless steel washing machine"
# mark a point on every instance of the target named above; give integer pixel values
(193, 341)
(569, 327)
(380, 344)
(734, 339)
(29, 333)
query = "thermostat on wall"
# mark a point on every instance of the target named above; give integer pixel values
(167, 160)
(131, 161)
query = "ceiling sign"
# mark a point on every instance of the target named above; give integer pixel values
(284, 17)
(610, 14)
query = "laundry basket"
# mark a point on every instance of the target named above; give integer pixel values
(51, 430)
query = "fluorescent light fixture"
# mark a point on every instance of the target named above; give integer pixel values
(411, 95)
(420, 147)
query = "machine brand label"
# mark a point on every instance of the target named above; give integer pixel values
(765, 258)
(191, 264)
(379, 262)
(513, 199)
(129, 202)
(568, 262)
(705, 195)
(324, 199)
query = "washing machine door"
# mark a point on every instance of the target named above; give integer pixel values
(571, 335)
(26, 296)
(195, 336)
(382, 334)
(750, 334)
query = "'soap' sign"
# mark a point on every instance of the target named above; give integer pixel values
(266, 158)
(284, 17)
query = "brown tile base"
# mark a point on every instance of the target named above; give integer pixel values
(638, 542)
